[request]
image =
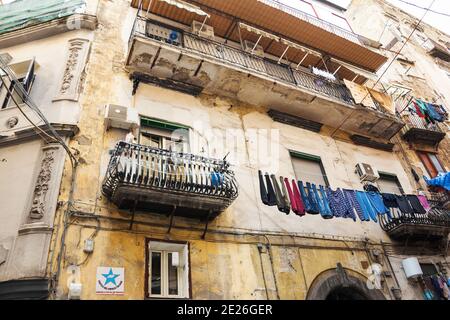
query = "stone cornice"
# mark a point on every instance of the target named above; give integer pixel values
(48, 29)
(65, 130)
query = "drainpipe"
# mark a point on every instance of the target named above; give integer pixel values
(269, 246)
(390, 266)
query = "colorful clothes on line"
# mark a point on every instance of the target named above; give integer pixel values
(312, 199)
(403, 205)
(416, 205)
(351, 196)
(339, 204)
(305, 199)
(300, 205)
(389, 200)
(291, 196)
(425, 204)
(262, 189)
(377, 202)
(324, 207)
(282, 207)
(285, 196)
(271, 196)
(366, 205)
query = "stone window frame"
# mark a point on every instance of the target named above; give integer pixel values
(184, 276)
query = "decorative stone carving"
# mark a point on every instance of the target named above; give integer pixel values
(73, 71)
(42, 185)
(12, 122)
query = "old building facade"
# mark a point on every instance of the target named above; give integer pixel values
(170, 109)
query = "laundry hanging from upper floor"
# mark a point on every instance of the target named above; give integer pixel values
(301, 198)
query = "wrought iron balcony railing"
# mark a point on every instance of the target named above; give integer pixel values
(225, 54)
(434, 224)
(330, 27)
(161, 180)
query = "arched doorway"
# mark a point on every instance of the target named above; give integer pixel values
(341, 284)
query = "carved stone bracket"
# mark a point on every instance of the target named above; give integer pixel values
(45, 181)
(72, 76)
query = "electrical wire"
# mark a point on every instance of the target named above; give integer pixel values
(29, 102)
(417, 6)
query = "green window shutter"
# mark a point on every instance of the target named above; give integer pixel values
(159, 124)
(304, 156)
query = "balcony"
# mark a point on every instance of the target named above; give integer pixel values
(281, 20)
(159, 181)
(195, 65)
(434, 225)
(418, 131)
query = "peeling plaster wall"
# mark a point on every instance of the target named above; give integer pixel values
(427, 79)
(222, 266)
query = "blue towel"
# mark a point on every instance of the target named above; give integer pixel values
(366, 205)
(442, 180)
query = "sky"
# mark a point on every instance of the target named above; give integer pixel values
(438, 21)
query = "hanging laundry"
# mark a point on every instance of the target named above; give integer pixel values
(324, 206)
(308, 206)
(443, 180)
(217, 179)
(390, 200)
(376, 200)
(370, 188)
(339, 204)
(424, 202)
(403, 205)
(417, 110)
(312, 198)
(424, 108)
(351, 196)
(300, 205)
(271, 197)
(366, 205)
(433, 113)
(279, 196)
(416, 205)
(262, 189)
(285, 195)
(308, 198)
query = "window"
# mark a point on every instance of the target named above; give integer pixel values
(388, 183)
(428, 269)
(9, 91)
(309, 168)
(168, 270)
(164, 135)
(432, 164)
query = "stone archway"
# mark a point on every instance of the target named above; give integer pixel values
(340, 284)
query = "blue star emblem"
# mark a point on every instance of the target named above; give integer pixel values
(110, 277)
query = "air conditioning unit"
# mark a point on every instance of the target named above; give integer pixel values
(206, 31)
(121, 117)
(366, 172)
(161, 33)
(258, 50)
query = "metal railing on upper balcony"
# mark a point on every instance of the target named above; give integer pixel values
(436, 217)
(328, 26)
(235, 57)
(158, 169)
(412, 120)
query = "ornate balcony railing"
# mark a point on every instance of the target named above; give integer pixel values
(225, 54)
(160, 180)
(330, 27)
(434, 224)
(416, 128)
